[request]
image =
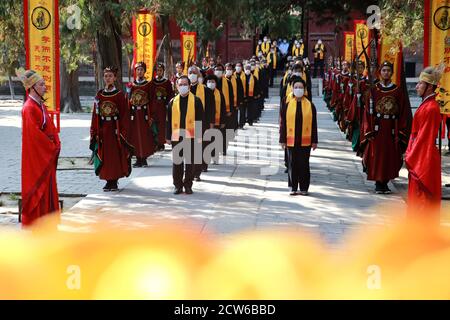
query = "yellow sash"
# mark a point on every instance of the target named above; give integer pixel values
(289, 97)
(269, 59)
(218, 106)
(234, 86)
(251, 86)
(284, 78)
(190, 117)
(200, 93)
(256, 73)
(226, 93)
(319, 51)
(306, 122)
(265, 47)
(244, 82)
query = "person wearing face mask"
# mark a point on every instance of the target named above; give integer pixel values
(422, 158)
(298, 135)
(283, 48)
(258, 49)
(385, 131)
(237, 93)
(184, 114)
(207, 100)
(40, 152)
(109, 132)
(265, 46)
(272, 59)
(298, 49)
(219, 113)
(225, 86)
(179, 67)
(242, 92)
(160, 94)
(143, 132)
(264, 79)
(319, 51)
(253, 93)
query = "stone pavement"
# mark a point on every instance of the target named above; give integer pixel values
(248, 191)
(240, 195)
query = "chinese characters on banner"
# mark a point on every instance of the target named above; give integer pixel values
(362, 38)
(188, 48)
(437, 45)
(349, 41)
(391, 50)
(144, 36)
(42, 47)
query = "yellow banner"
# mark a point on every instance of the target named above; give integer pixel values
(144, 34)
(391, 50)
(188, 48)
(349, 50)
(42, 45)
(361, 32)
(437, 45)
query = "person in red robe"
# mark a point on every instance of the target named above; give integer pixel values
(161, 94)
(422, 157)
(385, 132)
(109, 133)
(40, 152)
(143, 132)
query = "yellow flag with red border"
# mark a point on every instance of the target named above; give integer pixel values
(144, 36)
(437, 45)
(349, 42)
(188, 48)
(362, 37)
(41, 26)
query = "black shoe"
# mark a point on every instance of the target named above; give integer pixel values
(114, 186)
(286, 170)
(188, 190)
(137, 164)
(198, 179)
(107, 187)
(161, 147)
(293, 193)
(205, 170)
(178, 191)
(144, 163)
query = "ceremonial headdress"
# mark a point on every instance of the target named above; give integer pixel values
(141, 64)
(432, 75)
(29, 78)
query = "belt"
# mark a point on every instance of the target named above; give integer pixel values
(109, 118)
(386, 116)
(139, 108)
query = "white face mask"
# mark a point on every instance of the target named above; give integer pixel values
(298, 74)
(299, 92)
(238, 69)
(259, 42)
(247, 71)
(298, 45)
(253, 68)
(193, 77)
(265, 39)
(289, 71)
(218, 73)
(211, 85)
(229, 73)
(183, 90)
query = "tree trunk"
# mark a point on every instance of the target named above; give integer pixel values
(109, 48)
(167, 46)
(70, 96)
(11, 87)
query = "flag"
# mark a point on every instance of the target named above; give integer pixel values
(188, 48)
(41, 26)
(349, 41)
(362, 33)
(144, 37)
(391, 50)
(437, 45)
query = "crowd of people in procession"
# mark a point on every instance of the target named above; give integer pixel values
(205, 104)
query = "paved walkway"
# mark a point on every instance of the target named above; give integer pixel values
(248, 191)
(239, 195)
